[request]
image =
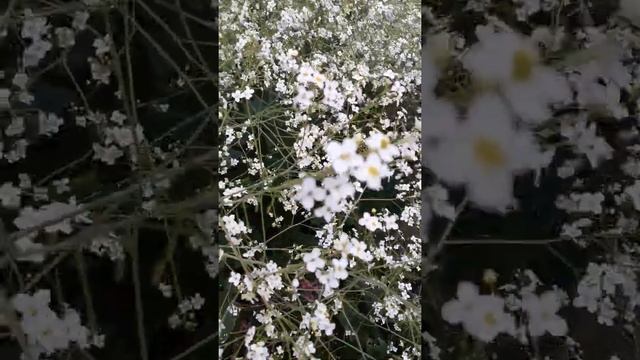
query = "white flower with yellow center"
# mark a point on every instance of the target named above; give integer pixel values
(487, 318)
(482, 316)
(512, 62)
(343, 156)
(382, 145)
(372, 171)
(484, 153)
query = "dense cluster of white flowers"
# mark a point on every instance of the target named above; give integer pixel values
(46, 332)
(319, 102)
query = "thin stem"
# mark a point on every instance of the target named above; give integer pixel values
(135, 265)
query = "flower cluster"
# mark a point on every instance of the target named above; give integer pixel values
(46, 332)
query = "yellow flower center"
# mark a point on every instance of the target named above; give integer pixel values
(384, 143)
(489, 153)
(523, 62)
(490, 319)
(344, 156)
(373, 171)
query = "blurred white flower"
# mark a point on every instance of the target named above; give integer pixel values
(541, 314)
(343, 156)
(484, 153)
(381, 144)
(304, 97)
(512, 62)
(313, 261)
(372, 171)
(482, 316)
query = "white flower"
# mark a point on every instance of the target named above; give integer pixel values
(20, 79)
(303, 348)
(542, 315)
(341, 243)
(343, 156)
(16, 127)
(308, 193)
(258, 351)
(123, 136)
(33, 27)
(484, 153)
(359, 250)
(372, 223)
(319, 79)
(99, 71)
(118, 117)
(487, 318)
(10, 195)
(512, 61)
(102, 45)
(372, 171)
(382, 145)
(74, 330)
(596, 91)
(247, 93)
(32, 305)
(233, 229)
(167, 289)
(107, 155)
(332, 97)
(320, 320)
(305, 74)
(587, 142)
(51, 333)
(438, 199)
(235, 278)
(337, 188)
(455, 311)
(588, 202)
(482, 316)
(197, 301)
(339, 268)
(390, 222)
(80, 20)
(35, 52)
(66, 37)
(313, 261)
(329, 279)
(304, 97)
